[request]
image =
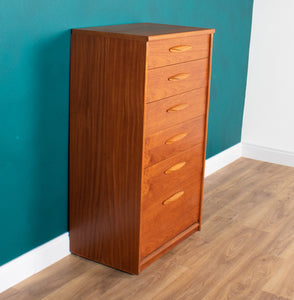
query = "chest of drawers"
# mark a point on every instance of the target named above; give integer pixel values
(138, 120)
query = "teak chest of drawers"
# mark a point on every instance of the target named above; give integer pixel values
(138, 120)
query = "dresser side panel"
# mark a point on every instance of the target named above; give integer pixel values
(205, 128)
(106, 142)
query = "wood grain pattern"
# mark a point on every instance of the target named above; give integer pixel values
(163, 52)
(146, 31)
(268, 296)
(160, 223)
(159, 115)
(158, 86)
(281, 283)
(231, 257)
(105, 172)
(158, 148)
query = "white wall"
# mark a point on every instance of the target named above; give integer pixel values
(268, 121)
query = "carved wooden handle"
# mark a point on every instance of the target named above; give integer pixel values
(175, 167)
(178, 77)
(176, 138)
(173, 198)
(180, 48)
(178, 107)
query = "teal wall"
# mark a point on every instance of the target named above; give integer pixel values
(34, 97)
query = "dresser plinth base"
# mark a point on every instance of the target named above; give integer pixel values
(149, 259)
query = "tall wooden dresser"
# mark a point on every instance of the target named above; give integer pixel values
(138, 121)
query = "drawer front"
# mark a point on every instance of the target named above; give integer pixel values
(174, 110)
(167, 176)
(169, 212)
(165, 143)
(164, 222)
(172, 51)
(176, 79)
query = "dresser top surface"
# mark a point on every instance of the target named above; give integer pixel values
(145, 31)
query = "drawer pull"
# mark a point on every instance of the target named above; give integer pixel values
(173, 198)
(175, 168)
(178, 107)
(180, 48)
(178, 77)
(176, 138)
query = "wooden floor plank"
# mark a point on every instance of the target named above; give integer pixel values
(246, 280)
(221, 259)
(53, 277)
(154, 279)
(245, 249)
(268, 296)
(99, 279)
(282, 282)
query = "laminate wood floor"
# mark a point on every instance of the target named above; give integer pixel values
(245, 249)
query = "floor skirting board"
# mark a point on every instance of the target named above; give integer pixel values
(33, 261)
(222, 159)
(270, 155)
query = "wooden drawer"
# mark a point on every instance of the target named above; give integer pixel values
(176, 79)
(171, 202)
(163, 222)
(172, 51)
(165, 177)
(165, 143)
(174, 110)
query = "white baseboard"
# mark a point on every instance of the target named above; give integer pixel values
(275, 156)
(222, 159)
(33, 261)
